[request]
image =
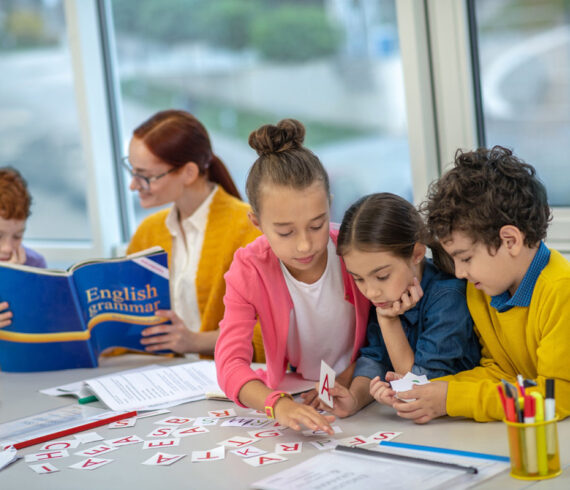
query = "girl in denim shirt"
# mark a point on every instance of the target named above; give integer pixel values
(419, 321)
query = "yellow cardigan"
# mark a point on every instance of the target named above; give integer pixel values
(533, 341)
(228, 229)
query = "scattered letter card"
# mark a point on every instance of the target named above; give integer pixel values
(87, 437)
(222, 414)
(163, 459)
(161, 432)
(119, 424)
(37, 457)
(326, 383)
(288, 447)
(96, 450)
(202, 421)
(263, 434)
(382, 435)
(174, 421)
(324, 444)
(90, 464)
(353, 441)
(124, 441)
(209, 455)
(248, 452)
(190, 431)
(265, 459)
(56, 445)
(159, 443)
(238, 441)
(43, 468)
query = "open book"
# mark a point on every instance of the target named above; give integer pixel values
(65, 318)
(153, 387)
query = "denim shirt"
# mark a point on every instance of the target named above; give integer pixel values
(439, 330)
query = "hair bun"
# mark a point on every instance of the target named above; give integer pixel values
(287, 134)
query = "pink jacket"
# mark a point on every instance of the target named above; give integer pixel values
(256, 288)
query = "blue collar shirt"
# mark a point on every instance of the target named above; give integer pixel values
(504, 301)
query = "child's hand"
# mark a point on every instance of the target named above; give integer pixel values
(408, 300)
(430, 402)
(18, 256)
(292, 414)
(344, 402)
(392, 376)
(5, 314)
(382, 392)
(311, 398)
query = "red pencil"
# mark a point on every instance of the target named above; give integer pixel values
(503, 398)
(73, 430)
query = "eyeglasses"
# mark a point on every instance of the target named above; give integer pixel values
(143, 181)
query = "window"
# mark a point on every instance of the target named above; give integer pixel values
(39, 130)
(524, 56)
(334, 65)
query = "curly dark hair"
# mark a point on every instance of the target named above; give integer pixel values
(486, 190)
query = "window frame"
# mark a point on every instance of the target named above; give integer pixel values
(457, 112)
(441, 104)
(91, 95)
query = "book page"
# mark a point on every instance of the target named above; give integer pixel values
(156, 388)
(143, 253)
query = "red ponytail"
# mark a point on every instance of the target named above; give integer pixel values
(177, 137)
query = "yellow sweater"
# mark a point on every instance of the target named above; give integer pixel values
(533, 341)
(227, 230)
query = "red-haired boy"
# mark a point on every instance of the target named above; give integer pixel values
(15, 201)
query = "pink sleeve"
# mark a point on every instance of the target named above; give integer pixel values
(234, 349)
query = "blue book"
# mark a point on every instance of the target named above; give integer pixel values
(65, 319)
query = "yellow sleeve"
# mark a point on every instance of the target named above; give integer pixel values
(473, 393)
(539, 346)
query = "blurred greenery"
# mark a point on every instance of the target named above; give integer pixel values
(231, 121)
(22, 28)
(282, 30)
(227, 23)
(521, 15)
(294, 33)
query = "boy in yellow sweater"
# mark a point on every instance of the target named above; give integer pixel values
(490, 213)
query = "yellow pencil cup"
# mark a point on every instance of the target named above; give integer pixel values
(533, 450)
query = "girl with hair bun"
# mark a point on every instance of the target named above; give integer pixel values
(290, 279)
(171, 161)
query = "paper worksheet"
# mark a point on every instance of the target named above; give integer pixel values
(156, 388)
(335, 470)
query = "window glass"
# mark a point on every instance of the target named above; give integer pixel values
(238, 64)
(524, 54)
(39, 130)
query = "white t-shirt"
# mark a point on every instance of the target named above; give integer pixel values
(187, 241)
(322, 323)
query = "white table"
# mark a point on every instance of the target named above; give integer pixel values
(19, 397)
